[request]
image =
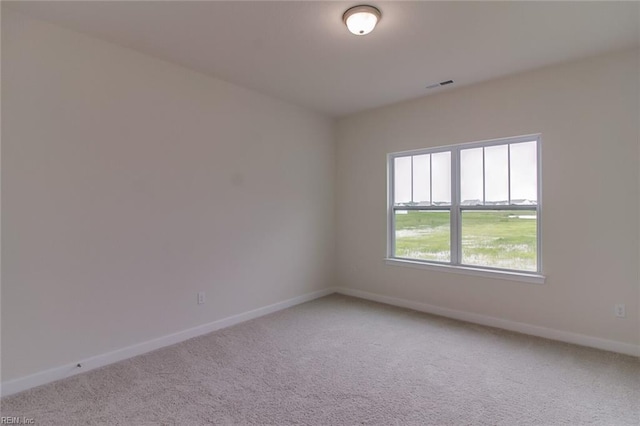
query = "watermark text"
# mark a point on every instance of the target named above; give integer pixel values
(6, 420)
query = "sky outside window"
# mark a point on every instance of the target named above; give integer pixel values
(493, 174)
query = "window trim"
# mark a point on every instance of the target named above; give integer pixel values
(455, 209)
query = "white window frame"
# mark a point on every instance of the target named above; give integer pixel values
(456, 209)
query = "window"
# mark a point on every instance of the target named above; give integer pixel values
(468, 206)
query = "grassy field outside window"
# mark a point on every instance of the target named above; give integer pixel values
(505, 239)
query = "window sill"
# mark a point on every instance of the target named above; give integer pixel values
(467, 270)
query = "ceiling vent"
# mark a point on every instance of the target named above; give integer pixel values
(442, 83)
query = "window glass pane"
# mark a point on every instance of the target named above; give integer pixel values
(423, 235)
(524, 177)
(402, 180)
(441, 178)
(500, 239)
(422, 179)
(496, 174)
(471, 178)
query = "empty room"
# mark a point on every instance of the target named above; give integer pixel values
(320, 213)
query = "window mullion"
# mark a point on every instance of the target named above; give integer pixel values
(484, 181)
(391, 223)
(538, 204)
(430, 179)
(412, 200)
(455, 208)
(509, 174)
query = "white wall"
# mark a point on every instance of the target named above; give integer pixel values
(130, 184)
(588, 115)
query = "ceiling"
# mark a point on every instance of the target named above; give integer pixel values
(301, 51)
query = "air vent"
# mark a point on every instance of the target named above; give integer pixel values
(442, 83)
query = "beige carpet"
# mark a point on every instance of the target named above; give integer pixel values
(344, 361)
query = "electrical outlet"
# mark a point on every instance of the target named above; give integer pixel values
(201, 298)
(619, 311)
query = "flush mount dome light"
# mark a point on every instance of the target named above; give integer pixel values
(361, 20)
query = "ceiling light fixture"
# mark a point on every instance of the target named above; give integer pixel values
(361, 20)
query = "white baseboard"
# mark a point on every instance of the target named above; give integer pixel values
(51, 375)
(23, 383)
(533, 330)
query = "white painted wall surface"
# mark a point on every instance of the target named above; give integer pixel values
(130, 184)
(588, 114)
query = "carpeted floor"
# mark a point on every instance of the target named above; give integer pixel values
(344, 361)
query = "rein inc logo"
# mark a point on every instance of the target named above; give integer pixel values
(6, 420)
